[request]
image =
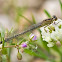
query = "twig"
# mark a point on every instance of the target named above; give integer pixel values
(9, 46)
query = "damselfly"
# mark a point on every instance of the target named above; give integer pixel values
(43, 23)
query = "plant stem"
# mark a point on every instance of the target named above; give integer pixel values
(61, 57)
(9, 46)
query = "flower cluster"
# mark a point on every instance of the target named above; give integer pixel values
(31, 37)
(21, 46)
(26, 44)
(52, 33)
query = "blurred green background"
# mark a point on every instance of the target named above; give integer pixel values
(18, 15)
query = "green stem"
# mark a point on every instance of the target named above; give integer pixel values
(61, 57)
(3, 42)
(26, 18)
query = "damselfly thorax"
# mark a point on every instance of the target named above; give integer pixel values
(43, 23)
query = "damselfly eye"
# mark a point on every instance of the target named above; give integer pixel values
(54, 17)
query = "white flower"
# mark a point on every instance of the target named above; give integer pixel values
(48, 39)
(52, 32)
(51, 44)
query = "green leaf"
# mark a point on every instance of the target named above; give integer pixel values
(3, 43)
(60, 4)
(56, 49)
(8, 53)
(19, 11)
(3, 33)
(0, 34)
(44, 43)
(31, 52)
(26, 18)
(19, 14)
(4, 51)
(4, 58)
(17, 18)
(20, 41)
(46, 12)
(34, 21)
(42, 53)
(0, 58)
(11, 30)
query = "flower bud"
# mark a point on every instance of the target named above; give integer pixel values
(24, 45)
(19, 56)
(33, 37)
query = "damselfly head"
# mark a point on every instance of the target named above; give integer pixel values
(48, 21)
(54, 18)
